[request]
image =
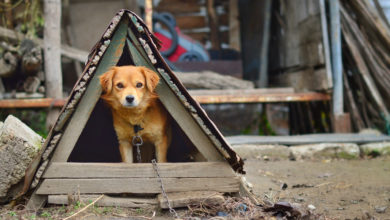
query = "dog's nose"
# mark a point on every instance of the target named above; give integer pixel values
(129, 98)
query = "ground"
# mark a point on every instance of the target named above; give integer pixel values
(337, 188)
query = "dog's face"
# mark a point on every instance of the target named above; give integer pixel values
(129, 86)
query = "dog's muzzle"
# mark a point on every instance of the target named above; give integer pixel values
(130, 101)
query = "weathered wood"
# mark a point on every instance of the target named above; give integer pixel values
(212, 80)
(240, 92)
(262, 98)
(246, 191)
(262, 81)
(31, 103)
(66, 50)
(125, 170)
(148, 14)
(183, 199)
(36, 202)
(304, 80)
(178, 6)
(109, 201)
(308, 139)
(173, 105)
(342, 123)
(234, 26)
(213, 24)
(91, 96)
(325, 42)
(189, 22)
(360, 62)
(52, 58)
(136, 185)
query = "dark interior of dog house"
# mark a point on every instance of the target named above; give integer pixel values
(98, 141)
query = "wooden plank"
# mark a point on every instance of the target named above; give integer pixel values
(234, 26)
(136, 185)
(91, 96)
(241, 92)
(191, 21)
(109, 201)
(325, 42)
(178, 6)
(36, 202)
(175, 108)
(183, 199)
(125, 170)
(32, 103)
(308, 139)
(263, 98)
(202, 96)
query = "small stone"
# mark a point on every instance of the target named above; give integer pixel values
(311, 207)
(299, 199)
(266, 158)
(381, 209)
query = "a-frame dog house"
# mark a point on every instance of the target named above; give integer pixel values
(82, 127)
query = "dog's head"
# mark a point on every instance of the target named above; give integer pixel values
(129, 86)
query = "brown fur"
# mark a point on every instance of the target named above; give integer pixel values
(148, 112)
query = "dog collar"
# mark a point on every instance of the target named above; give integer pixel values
(137, 128)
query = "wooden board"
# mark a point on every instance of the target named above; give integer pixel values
(262, 98)
(175, 108)
(110, 201)
(188, 22)
(308, 139)
(91, 96)
(136, 185)
(126, 170)
(183, 199)
(178, 6)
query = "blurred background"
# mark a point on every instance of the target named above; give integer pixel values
(277, 67)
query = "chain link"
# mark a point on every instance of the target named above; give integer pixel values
(159, 179)
(137, 142)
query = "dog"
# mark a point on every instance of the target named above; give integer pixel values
(130, 93)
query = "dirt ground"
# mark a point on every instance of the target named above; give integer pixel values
(339, 189)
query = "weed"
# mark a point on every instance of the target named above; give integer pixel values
(12, 213)
(139, 211)
(33, 216)
(45, 214)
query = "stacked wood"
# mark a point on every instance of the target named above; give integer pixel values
(366, 64)
(21, 70)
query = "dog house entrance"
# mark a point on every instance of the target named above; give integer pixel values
(98, 141)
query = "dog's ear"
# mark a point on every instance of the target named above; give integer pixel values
(151, 77)
(106, 80)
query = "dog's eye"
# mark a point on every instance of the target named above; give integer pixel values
(139, 85)
(119, 85)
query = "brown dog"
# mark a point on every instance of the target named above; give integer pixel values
(129, 91)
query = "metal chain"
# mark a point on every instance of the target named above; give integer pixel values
(159, 179)
(137, 141)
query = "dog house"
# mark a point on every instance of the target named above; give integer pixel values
(81, 152)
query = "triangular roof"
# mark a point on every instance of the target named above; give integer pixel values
(96, 64)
